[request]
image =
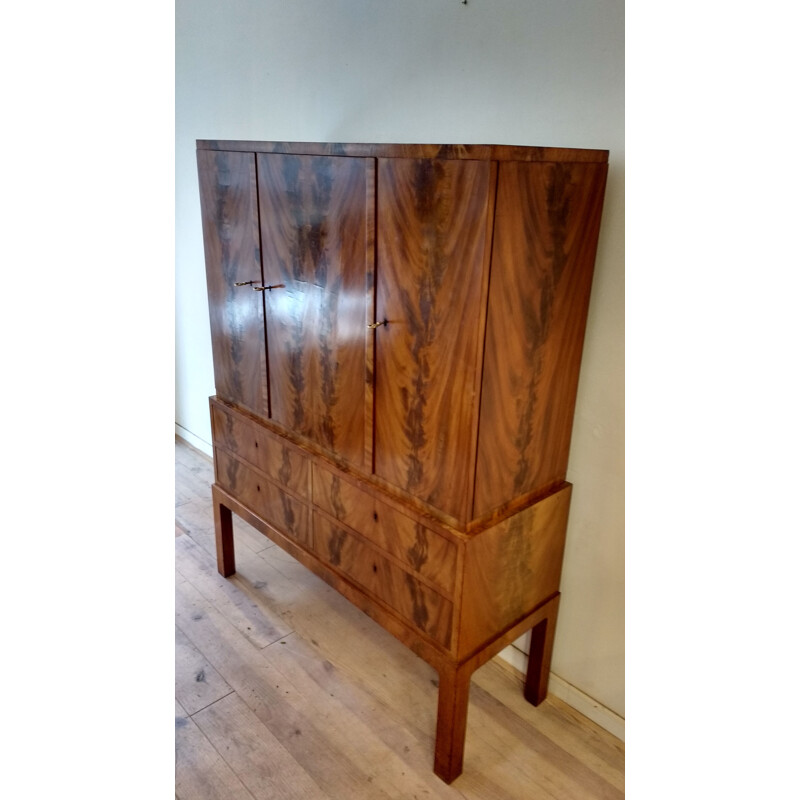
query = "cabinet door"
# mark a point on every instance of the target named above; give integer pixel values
(545, 238)
(432, 233)
(316, 233)
(229, 205)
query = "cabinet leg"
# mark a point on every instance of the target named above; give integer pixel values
(223, 531)
(451, 722)
(541, 651)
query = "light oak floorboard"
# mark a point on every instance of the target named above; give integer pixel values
(197, 683)
(258, 624)
(269, 697)
(559, 722)
(264, 765)
(200, 771)
(303, 696)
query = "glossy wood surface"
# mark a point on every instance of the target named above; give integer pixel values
(512, 568)
(506, 574)
(223, 534)
(543, 636)
(542, 266)
(418, 466)
(315, 222)
(417, 548)
(451, 722)
(418, 604)
(431, 235)
(263, 497)
(270, 454)
(454, 684)
(472, 152)
(230, 233)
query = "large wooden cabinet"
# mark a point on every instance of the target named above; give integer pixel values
(397, 333)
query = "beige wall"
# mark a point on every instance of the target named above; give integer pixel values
(516, 72)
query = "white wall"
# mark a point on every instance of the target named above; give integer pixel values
(524, 72)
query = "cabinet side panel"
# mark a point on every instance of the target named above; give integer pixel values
(511, 568)
(546, 228)
(431, 232)
(230, 234)
(315, 222)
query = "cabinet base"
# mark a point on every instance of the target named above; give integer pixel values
(454, 674)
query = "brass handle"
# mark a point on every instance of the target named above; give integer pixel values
(243, 283)
(269, 288)
(378, 324)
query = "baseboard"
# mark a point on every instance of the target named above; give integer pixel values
(195, 441)
(572, 696)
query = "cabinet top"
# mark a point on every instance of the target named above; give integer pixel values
(475, 152)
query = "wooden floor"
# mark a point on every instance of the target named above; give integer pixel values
(285, 690)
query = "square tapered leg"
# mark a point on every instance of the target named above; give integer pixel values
(541, 651)
(451, 723)
(223, 531)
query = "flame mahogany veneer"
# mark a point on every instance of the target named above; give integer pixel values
(397, 334)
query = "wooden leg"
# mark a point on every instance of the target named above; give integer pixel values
(223, 530)
(451, 722)
(541, 652)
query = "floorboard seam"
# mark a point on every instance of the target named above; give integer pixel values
(227, 694)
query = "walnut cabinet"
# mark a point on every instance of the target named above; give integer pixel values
(397, 333)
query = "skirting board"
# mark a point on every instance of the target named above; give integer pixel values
(195, 441)
(588, 706)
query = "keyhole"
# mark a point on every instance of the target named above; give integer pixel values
(375, 515)
(256, 444)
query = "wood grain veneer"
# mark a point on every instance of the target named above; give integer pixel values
(265, 451)
(264, 497)
(314, 223)
(418, 604)
(542, 265)
(431, 237)
(419, 548)
(230, 234)
(512, 567)
(397, 415)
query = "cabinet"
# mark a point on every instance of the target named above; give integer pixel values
(397, 333)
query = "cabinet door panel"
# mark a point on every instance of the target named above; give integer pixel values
(432, 219)
(316, 232)
(229, 207)
(542, 264)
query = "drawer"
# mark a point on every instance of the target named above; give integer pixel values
(422, 549)
(262, 449)
(419, 605)
(262, 497)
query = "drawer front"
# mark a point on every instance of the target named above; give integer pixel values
(418, 604)
(422, 549)
(280, 462)
(263, 497)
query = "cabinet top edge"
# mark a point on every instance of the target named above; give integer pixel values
(479, 152)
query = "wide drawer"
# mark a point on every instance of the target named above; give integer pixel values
(262, 449)
(264, 498)
(423, 550)
(419, 605)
